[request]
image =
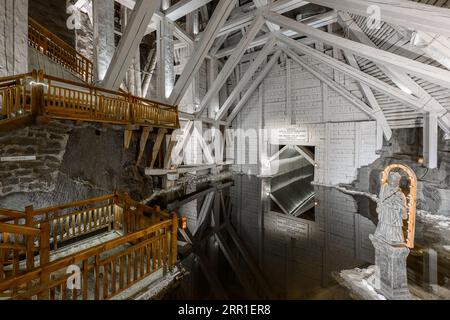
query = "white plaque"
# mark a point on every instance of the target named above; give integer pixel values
(289, 135)
(18, 158)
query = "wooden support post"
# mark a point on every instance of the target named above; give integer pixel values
(144, 137)
(174, 244)
(128, 135)
(430, 140)
(37, 93)
(29, 239)
(157, 146)
(44, 254)
(168, 155)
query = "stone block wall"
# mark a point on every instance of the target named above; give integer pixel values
(47, 144)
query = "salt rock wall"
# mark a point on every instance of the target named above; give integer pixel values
(433, 190)
(13, 37)
(73, 162)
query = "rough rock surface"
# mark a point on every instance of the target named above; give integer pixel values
(74, 162)
(433, 190)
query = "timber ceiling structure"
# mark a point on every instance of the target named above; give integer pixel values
(399, 56)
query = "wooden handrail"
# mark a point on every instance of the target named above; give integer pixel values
(84, 256)
(16, 229)
(64, 99)
(103, 90)
(59, 51)
(12, 213)
(42, 211)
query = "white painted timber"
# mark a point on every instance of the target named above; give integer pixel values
(263, 3)
(129, 43)
(184, 7)
(409, 14)
(430, 140)
(220, 16)
(409, 100)
(262, 56)
(374, 114)
(255, 84)
(321, 20)
(435, 46)
(245, 19)
(401, 79)
(421, 70)
(231, 64)
(370, 97)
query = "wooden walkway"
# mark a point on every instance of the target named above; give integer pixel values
(106, 245)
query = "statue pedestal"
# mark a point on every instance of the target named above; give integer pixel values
(390, 260)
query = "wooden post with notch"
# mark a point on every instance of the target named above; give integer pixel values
(174, 238)
(144, 137)
(157, 146)
(29, 239)
(44, 254)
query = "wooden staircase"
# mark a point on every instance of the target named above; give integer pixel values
(43, 252)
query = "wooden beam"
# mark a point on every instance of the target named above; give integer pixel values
(421, 70)
(409, 14)
(143, 142)
(220, 16)
(317, 21)
(430, 140)
(16, 229)
(261, 4)
(435, 46)
(231, 63)
(247, 258)
(347, 95)
(128, 135)
(262, 57)
(235, 266)
(370, 97)
(402, 80)
(255, 84)
(204, 211)
(306, 154)
(157, 146)
(409, 100)
(243, 20)
(168, 155)
(184, 7)
(129, 43)
(177, 157)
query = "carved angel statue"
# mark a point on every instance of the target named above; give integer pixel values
(392, 210)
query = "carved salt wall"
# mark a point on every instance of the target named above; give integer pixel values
(13, 37)
(343, 136)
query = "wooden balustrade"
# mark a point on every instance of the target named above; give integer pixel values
(147, 245)
(14, 97)
(105, 270)
(36, 93)
(56, 49)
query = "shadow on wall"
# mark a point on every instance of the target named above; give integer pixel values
(41, 10)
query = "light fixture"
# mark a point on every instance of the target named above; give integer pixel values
(184, 222)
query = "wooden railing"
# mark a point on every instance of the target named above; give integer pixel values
(105, 270)
(59, 51)
(63, 99)
(14, 97)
